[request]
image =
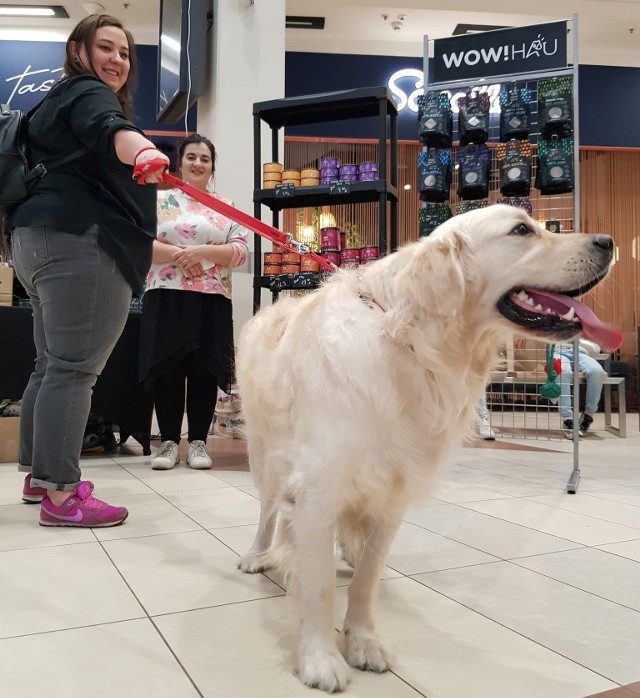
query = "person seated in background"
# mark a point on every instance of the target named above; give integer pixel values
(594, 375)
(186, 335)
(484, 426)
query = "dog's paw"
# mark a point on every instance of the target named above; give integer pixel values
(364, 652)
(252, 563)
(325, 670)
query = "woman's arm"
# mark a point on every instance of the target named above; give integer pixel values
(220, 255)
(128, 143)
(163, 252)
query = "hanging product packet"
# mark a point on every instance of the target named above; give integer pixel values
(473, 117)
(435, 120)
(515, 112)
(474, 161)
(434, 174)
(466, 206)
(523, 202)
(555, 165)
(514, 167)
(431, 216)
(555, 106)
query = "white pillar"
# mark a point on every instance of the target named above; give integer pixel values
(246, 66)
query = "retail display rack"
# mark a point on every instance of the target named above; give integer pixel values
(373, 102)
(560, 212)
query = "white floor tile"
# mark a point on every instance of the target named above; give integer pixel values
(601, 573)
(19, 529)
(595, 507)
(556, 522)
(626, 495)
(179, 478)
(585, 628)
(126, 659)
(149, 515)
(60, 587)
(216, 508)
(629, 549)
(486, 533)
(417, 550)
(238, 651)
(448, 651)
(183, 571)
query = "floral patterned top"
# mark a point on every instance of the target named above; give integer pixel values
(184, 221)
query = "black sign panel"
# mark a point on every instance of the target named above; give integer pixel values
(502, 52)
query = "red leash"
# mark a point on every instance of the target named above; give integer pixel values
(276, 236)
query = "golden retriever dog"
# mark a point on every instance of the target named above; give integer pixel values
(353, 396)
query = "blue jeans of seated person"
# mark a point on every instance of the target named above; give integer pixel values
(80, 303)
(593, 373)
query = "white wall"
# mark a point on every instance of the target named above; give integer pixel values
(247, 66)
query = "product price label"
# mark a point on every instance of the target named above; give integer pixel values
(285, 190)
(340, 186)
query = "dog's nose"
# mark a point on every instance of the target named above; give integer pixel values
(603, 241)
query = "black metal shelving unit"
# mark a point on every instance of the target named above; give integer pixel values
(375, 102)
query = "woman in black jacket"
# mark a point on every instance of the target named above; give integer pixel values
(81, 246)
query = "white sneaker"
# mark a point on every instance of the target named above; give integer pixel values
(167, 456)
(197, 456)
(485, 431)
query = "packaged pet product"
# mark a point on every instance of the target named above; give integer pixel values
(515, 112)
(474, 161)
(473, 117)
(466, 206)
(514, 167)
(431, 216)
(435, 121)
(523, 202)
(555, 106)
(434, 174)
(555, 165)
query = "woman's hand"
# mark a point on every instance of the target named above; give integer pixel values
(155, 174)
(189, 259)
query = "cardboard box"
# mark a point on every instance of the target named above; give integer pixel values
(6, 284)
(9, 439)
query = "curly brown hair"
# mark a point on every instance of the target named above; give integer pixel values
(84, 36)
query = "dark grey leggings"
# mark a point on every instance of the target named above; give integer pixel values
(80, 304)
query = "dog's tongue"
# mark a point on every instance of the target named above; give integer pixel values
(609, 338)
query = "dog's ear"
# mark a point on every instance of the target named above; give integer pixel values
(441, 270)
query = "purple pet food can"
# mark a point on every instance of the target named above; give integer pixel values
(327, 180)
(329, 162)
(349, 177)
(348, 170)
(330, 172)
(368, 176)
(368, 167)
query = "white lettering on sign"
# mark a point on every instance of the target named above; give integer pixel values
(403, 99)
(22, 86)
(408, 101)
(501, 53)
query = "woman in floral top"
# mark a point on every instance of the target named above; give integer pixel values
(187, 327)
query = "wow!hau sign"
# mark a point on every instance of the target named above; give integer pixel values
(501, 52)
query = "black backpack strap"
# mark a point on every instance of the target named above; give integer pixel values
(41, 169)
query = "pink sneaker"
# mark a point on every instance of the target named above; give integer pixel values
(34, 495)
(81, 509)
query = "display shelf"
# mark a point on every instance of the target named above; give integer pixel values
(368, 102)
(360, 192)
(328, 106)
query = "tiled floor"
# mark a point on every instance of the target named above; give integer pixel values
(501, 586)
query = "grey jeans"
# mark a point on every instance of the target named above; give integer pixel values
(80, 303)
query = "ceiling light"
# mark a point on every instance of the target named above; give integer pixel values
(33, 11)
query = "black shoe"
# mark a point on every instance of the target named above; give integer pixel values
(585, 422)
(568, 428)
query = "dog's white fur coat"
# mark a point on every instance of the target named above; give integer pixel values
(351, 406)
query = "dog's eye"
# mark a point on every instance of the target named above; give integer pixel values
(522, 229)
